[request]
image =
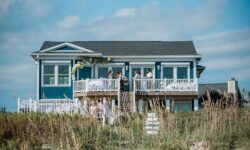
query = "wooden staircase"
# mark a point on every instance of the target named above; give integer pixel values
(126, 101)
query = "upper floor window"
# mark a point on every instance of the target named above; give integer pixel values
(56, 74)
(49, 75)
(182, 73)
(63, 75)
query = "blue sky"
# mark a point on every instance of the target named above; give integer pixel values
(220, 30)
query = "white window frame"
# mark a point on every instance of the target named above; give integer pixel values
(175, 66)
(56, 64)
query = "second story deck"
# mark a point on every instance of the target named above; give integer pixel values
(114, 86)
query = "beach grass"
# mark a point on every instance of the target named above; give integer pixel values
(214, 127)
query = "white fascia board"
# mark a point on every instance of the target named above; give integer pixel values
(151, 59)
(56, 61)
(66, 54)
(142, 63)
(67, 44)
(174, 64)
(110, 64)
(157, 56)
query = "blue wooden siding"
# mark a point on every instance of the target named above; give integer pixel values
(84, 73)
(66, 48)
(191, 69)
(55, 92)
(157, 72)
(126, 71)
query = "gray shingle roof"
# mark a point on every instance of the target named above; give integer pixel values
(133, 47)
(221, 87)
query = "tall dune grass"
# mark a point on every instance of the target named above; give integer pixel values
(217, 128)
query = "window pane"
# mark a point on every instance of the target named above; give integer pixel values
(63, 79)
(182, 72)
(182, 106)
(135, 70)
(187, 106)
(168, 72)
(49, 80)
(49, 69)
(116, 69)
(103, 72)
(63, 69)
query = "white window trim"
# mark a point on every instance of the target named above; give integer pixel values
(56, 64)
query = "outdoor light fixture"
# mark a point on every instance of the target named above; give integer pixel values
(126, 67)
(158, 67)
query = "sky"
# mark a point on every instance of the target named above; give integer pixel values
(220, 30)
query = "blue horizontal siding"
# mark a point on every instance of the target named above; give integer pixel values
(66, 48)
(56, 92)
(191, 69)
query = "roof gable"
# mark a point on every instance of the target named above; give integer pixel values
(66, 47)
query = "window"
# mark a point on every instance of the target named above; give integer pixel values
(134, 70)
(56, 74)
(182, 73)
(168, 72)
(49, 75)
(103, 72)
(63, 74)
(116, 69)
(182, 106)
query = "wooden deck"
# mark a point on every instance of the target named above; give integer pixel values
(168, 93)
(96, 94)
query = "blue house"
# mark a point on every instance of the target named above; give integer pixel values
(173, 64)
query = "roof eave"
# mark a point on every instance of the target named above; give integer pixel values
(154, 56)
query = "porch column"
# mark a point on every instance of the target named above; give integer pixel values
(113, 106)
(196, 104)
(157, 70)
(104, 111)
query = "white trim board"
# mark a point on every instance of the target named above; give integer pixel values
(156, 56)
(175, 64)
(69, 45)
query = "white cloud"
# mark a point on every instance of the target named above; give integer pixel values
(69, 22)
(17, 74)
(225, 42)
(154, 22)
(228, 63)
(125, 12)
(243, 74)
(5, 4)
(37, 7)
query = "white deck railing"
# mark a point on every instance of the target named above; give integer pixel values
(48, 106)
(165, 85)
(89, 85)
